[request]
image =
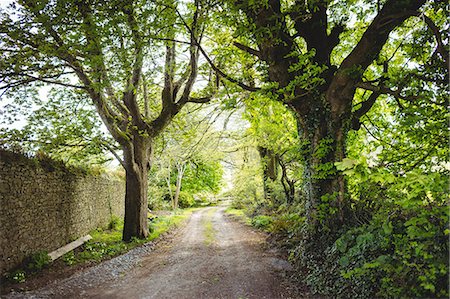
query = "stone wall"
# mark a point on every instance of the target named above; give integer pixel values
(44, 206)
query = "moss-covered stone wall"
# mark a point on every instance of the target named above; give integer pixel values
(44, 205)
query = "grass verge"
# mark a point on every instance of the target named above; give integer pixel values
(239, 214)
(108, 243)
(261, 222)
(105, 244)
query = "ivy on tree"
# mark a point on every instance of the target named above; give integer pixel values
(312, 59)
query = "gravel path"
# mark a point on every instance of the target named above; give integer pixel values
(211, 257)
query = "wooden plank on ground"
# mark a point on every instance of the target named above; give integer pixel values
(66, 248)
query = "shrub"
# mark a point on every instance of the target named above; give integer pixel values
(39, 260)
(401, 251)
(262, 222)
(186, 200)
(69, 258)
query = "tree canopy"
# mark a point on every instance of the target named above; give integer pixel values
(345, 147)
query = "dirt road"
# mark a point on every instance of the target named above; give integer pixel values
(211, 257)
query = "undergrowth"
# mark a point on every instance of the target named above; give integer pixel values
(394, 243)
(108, 243)
(105, 244)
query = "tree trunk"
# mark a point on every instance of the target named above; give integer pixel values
(270, 170)
(180, 168)
(288, 185)
(325, 133)
(169, 187)
(137, 163)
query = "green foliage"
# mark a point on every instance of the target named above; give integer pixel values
(64, 126)
(69, 258)
(201, 175)
(248, 182)
(18, 276)
(186, 200)
(114, 222)
(186, 158)
(39, 260)
(48, 164)
(262, 222)
(402, 249)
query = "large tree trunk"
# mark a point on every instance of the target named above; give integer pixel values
(137, 164)
(324, 129)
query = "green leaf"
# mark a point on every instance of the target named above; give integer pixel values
(345, 164)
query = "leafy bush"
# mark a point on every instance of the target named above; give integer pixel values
(203, 199)
(286, 227)
(401, 251)
(262, 222)
(158, 197)
(186, 200)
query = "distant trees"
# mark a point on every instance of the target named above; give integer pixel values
(188, 158)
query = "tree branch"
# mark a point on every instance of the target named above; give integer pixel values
(94, 48)
(365, 107)
(201, 100)
(247, 49)
(385, 90)
(130, 94)
(211, 63)
(45, 80)
(368, 48)
(313, 28)
(114, 153)
(194, 31)
(437, 34)
(391, 15)
(39, 79)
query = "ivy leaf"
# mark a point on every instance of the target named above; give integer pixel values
(345, 164)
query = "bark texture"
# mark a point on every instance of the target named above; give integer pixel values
(137, 163)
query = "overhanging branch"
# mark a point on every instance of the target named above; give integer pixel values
(437, 34)
(385, 90)
(211, 63)
(365, 107)
(248, 49)
(201, 100)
